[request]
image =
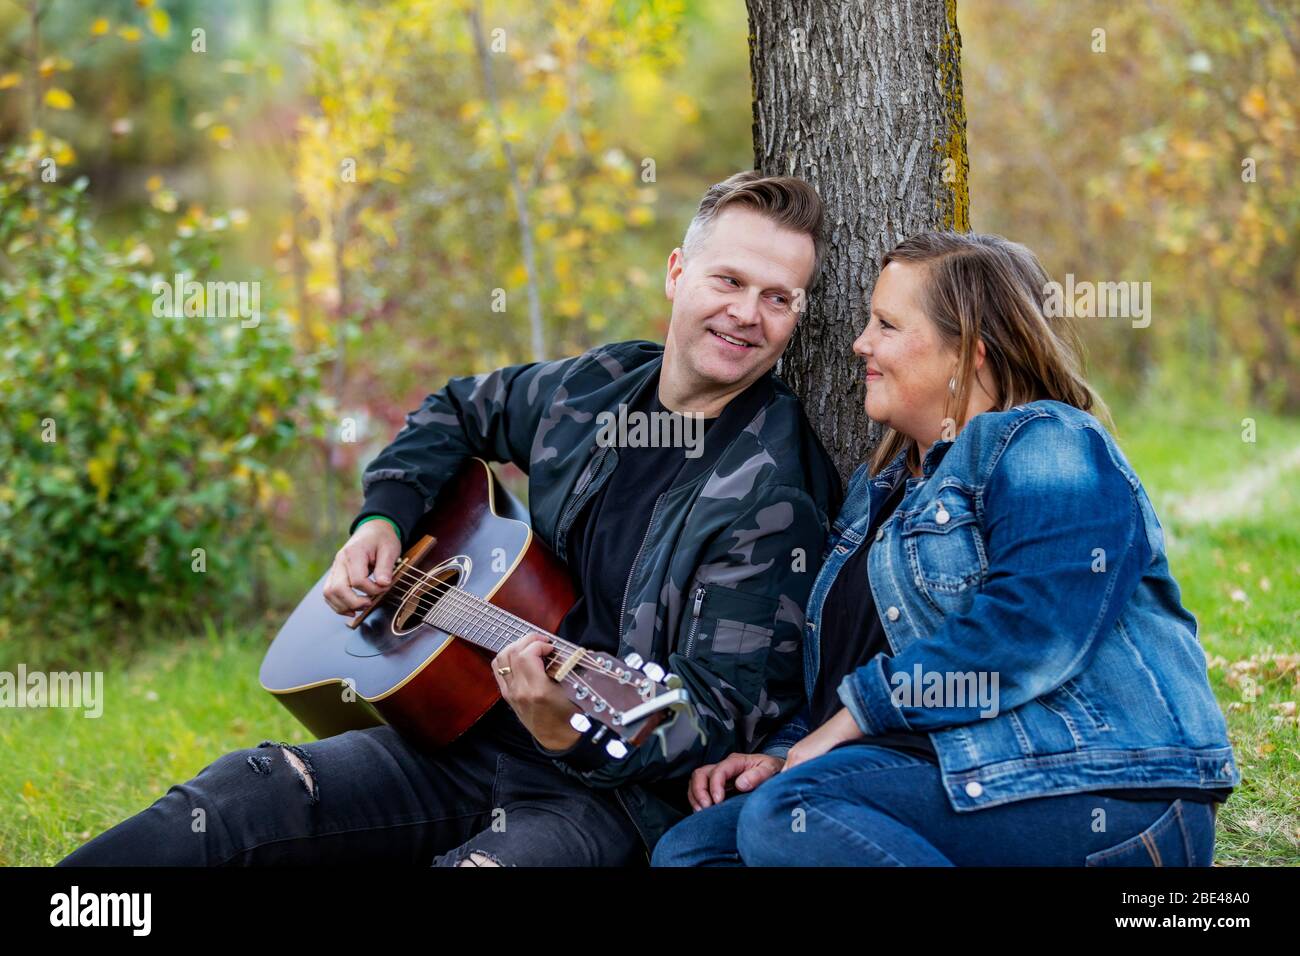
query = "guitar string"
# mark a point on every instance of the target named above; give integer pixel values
(572, 677)
(477, 619)
(455, 595)
(576, 680)
(485, 612)
(475, 605)
(422, 577)
(486, 615)
(482, 613)
(441, 590)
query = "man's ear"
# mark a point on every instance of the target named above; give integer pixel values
(676, 263)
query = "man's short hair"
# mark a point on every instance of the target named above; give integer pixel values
(790, 203)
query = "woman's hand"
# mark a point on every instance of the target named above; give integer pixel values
(709, 783)
(835, 731)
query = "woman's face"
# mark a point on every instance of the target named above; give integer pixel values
(908, 364)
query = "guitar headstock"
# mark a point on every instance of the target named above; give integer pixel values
(629, 697)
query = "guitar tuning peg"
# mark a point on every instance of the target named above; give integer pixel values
(634, 660)
(616, 749)
(653, 671)
(580, 722)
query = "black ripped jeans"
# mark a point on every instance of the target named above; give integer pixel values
(374, 799)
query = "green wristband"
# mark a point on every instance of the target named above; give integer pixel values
(381, 518)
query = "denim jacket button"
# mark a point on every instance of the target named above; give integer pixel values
(880, 533)
(892, 614)
(974, 788)
(941, 517)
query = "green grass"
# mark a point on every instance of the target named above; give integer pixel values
(165, 717)
(1240, 576)
(180, 701)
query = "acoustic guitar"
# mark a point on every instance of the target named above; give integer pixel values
(418, 656)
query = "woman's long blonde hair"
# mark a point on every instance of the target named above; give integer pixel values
(981, 287)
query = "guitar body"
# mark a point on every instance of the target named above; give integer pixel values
(395, 668)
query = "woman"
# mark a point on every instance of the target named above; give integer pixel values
(999, 668)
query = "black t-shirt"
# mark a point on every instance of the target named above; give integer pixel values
(851, 635)
(851, 632)
(606, 537)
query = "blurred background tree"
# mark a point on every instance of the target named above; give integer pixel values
(1165, 149)
(385, 167)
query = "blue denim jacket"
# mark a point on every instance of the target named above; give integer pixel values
(1028, 554)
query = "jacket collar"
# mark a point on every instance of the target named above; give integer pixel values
(740, 411)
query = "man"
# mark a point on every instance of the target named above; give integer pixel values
(697, 558)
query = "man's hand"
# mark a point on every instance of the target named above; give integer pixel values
(709, 783)
(375, 547)
(835, 731)
(540, 702)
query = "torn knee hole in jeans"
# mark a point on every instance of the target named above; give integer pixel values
(296, 758)
(478, 858)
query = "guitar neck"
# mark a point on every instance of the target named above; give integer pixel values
(471, 618)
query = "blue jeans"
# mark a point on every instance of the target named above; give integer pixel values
(862, 805)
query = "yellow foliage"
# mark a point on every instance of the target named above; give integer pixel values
(601, 219)
(99, 470)
(58, 99)
(159, 22)
(99, 27)
(1255, 103)
(644, 87)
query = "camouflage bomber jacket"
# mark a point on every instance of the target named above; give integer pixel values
(717, 592)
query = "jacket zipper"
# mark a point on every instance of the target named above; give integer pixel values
(632, 571)
(575, 504)
(695, 622)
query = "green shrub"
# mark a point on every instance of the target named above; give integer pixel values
(139, 450)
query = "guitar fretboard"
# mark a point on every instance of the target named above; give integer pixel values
(475, 620)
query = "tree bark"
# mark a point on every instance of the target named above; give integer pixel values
(863, 101)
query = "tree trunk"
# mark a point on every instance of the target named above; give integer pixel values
(863, 101)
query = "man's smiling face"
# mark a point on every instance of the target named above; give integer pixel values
(734, 299)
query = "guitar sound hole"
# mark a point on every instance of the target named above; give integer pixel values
(401, 615)
(420, 602)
